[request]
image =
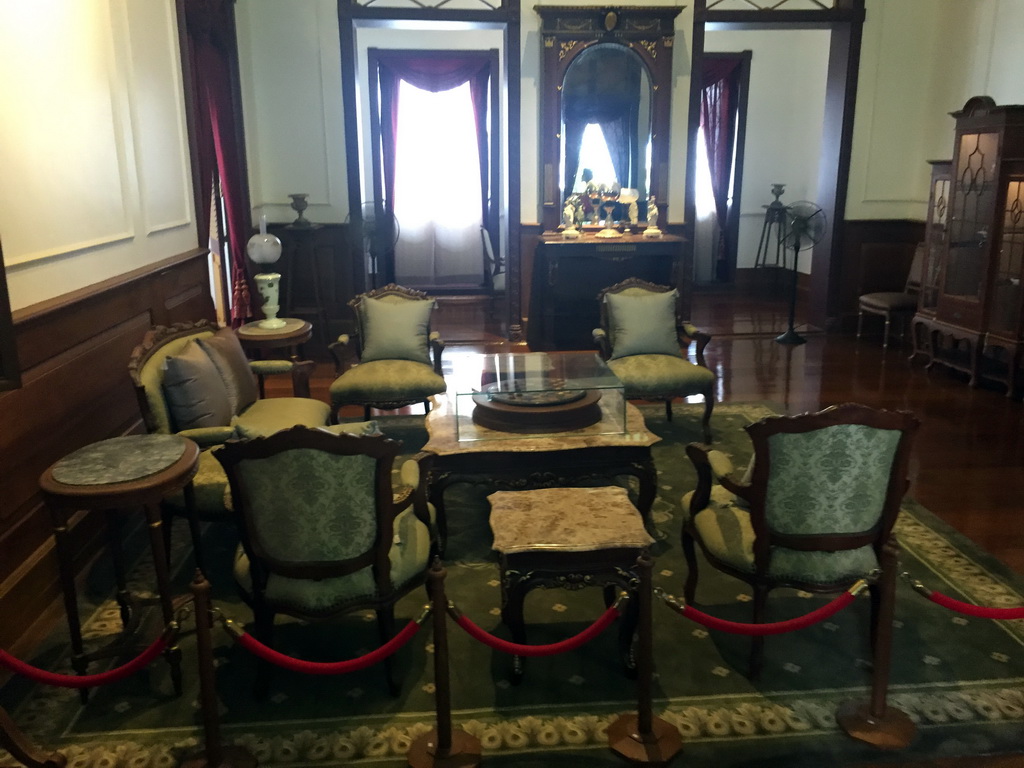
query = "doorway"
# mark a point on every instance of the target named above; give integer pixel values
(436, 168)
(725, 84)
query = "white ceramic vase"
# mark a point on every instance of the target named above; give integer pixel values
(269, 286)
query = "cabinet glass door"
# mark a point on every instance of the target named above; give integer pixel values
(974, 196)
(1006, 289)
(935, 237)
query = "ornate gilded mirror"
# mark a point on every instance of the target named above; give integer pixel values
(606, 82)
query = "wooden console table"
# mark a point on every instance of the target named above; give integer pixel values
(568, 275)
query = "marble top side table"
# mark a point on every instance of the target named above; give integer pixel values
(117, 476)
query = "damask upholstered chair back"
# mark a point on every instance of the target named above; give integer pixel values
(324, 531)
(815, 509)
(644, 340)
(193, 379)
(393, 359)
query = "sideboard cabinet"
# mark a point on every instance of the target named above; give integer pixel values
(971, 312)
(568, 275)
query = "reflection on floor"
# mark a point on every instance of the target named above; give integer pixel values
(968, 454)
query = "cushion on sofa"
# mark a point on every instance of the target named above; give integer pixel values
(195, 392)
(229, 358)
(265, 417)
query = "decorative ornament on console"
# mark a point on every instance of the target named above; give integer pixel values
(652, 223)
(628, 198)
(262, 249)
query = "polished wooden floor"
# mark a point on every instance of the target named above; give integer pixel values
(968, 462)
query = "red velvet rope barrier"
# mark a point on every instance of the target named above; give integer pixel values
(980, 611)
(86, 681)
(773, 628)
(518, 649)
(266, 653)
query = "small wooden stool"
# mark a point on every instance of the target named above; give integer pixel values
(112, 475)
(569, 538)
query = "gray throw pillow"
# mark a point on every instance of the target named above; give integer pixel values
(229, 358)
(395, 330)
(643, 324)
(195, 393)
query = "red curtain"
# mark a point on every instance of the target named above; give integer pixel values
(213, 68)
(719, 100)
(434, 74)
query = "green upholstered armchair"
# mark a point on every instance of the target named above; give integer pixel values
(324, 531)
(814, 510)
(193, 379)
(393, 359)
(642, 337)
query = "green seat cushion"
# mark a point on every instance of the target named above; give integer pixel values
(395, 329)
(409, 555)
(265, 417)
(269, 367)
(355, 428)
(657, 376)
(724, 527)
(207, 437)
(643, 323)
(386, 381)
(889, 301)
(211, 489)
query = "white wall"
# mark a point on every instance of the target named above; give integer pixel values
(290, 64)
(922, 59)
(784, 119)
(998, 56)
(96, 177)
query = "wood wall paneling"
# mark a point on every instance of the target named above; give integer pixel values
(320, 271)
(876, 256)
(75, 390)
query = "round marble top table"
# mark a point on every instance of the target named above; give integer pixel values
(294, 333)
(120, 475)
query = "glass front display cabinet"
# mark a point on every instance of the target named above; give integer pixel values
(970, 306)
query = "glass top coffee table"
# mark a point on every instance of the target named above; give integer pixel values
(515, 396)
(617, 444)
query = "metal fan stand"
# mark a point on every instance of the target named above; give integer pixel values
(791, 336)
(805, 224)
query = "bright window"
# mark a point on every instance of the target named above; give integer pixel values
(437, 189)
(437, 164)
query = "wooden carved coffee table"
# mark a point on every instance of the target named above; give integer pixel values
(583, 457)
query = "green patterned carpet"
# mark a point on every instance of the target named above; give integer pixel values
(960, 679)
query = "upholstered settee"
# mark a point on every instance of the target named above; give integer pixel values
(194, 380)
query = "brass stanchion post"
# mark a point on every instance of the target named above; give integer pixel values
(644, 738)
(214, 755)
(874, 721)
(442, 747)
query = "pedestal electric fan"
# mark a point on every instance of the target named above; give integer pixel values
(375, 234)
(805, 226)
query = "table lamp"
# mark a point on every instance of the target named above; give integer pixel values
(266, 249)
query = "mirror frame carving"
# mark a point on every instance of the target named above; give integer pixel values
(567, 31)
